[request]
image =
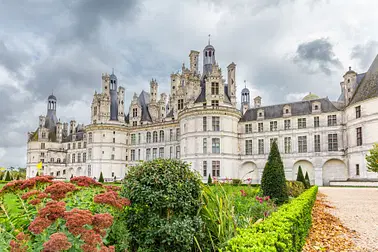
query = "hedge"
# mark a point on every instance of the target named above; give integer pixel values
(285, 230)
(295, 188)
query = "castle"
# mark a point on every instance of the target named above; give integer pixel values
(201, 123)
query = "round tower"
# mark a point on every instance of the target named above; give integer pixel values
(208, 58)
(113, 97)
(245, 100)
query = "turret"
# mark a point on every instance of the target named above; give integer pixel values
(113, 97)
(42, 121)
(121, 105)
(208, 58)
(65, 129)
(193, 56)
(231, 82)
(72, 127)
(245, 100)
(257, 102)
(349, 85)
(153, 90)
(59, 131)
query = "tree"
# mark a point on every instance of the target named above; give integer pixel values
(71, 176)
(372, 159)
(7, 176)
(101, 179)
(300, 177)
(307, 179)
(273, 182)
(209, 180)
(18, 177)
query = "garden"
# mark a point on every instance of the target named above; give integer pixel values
(161, 205)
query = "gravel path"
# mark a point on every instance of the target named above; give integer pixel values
(357, 208)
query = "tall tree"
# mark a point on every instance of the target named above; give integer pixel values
(101, 179)
(300, 177)
(209, 180)
(307, 179)
(372, 158)
(7, 176)
(273, 182)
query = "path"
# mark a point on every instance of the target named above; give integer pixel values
(357, 209)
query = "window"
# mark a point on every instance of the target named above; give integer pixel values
(89, 138)
(79, 157)
(287, 144)
(204, 105)
(42, 146)
(215, 103)
(73, 158)
(204, 145)
(178, 134)
(204, 168)
(43, 134)
(42, 154)
(216, 145)
(85, 145)
(215, 123)
(154, 153)
(135, 112)
(180, 104)
(135, 123)
(177, 152)
(301, 123)
(332, 120)
(161, 136)
(316, 121)
(248, 128)
(112, 174)
(51, 160)
(79, 145)
(58, 160)
(216, 168)
(148, 154)
(358, 111)
(317, 143)
(287, 124)
(64, 172)
(316, 107)
(171, 152)
(139, 138)
(302, 144)
(273, 126)
(171, 135)
(84, 157)
(261, 146)
(248, 147)
(74, 146)
(113, 140)
(359, 136)
(132, 155)
(332, 142)
(260, 127)
(204, 123)
(357, 169)
(161, 152)
(58, 173)
(214, 88)
(133, 140)
(112, 156)
(138, 154)
(89, 170)
(89, 154)
(148, 137)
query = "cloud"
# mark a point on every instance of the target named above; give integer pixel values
(365, 53)
(317, 55)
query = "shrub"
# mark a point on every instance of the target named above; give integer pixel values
(307, 179)
(101, 179)
(285, 230)
(7, 176)
(209, 180)
(300, 177)
(295, 188)
(273, 182)
(165, 196)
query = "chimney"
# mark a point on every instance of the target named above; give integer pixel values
(257, 101)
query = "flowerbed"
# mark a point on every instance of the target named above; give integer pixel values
(285, 230)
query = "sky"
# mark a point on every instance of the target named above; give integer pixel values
(284, 49)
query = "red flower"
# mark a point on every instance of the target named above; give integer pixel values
(39, 224)
(34, 202)
(111, 198)
(91, 238)
(112, 188)
(107, 249)
(76, 219)
(27, 195)
(59, 189)
(243, 193)
(58, 242)
(20, 244)
(30, 183)
(102, 221)
(12, 186)
(22, 237)
(42, 195)
(84, 181)
(53, 210)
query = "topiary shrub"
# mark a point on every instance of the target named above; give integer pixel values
(165, 196)
(7, 177)
(300, 177)
(307, 179)
(295, 188)
(209, 180)
(273, 182)
(101, 179)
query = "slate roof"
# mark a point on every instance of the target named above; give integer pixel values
(368, 87)
(127, 118)
(79, 137)
(144, 100)
(297, 109)
(170, 114)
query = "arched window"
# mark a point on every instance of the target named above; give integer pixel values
(148, 137)
(161, 136)
(209, 53)
(155, 137)
(205, 54)
(58, 160)
(90, 137)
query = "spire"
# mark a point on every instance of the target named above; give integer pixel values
(209, 38)
(245, 84)
(113, 70)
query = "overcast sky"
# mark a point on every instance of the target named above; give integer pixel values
(282, 48)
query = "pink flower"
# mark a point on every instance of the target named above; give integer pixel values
(243, 193)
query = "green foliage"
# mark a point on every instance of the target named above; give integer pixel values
(101, 179)
(372, 159)
(209, 180)
(295, 188)
(285, 230)
(300, 176)
(273, 182)
(307, 179)
(165, 196)
(236, 181)
(7, 176)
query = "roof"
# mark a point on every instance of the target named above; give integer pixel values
(79, 137)
(144, 100)
(209, 47)
(368, 86)
(297, 109)
(202, 96)
(51, 97)
(310, 97)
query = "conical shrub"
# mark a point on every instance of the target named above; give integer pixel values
(307, 179)
(101, 179)
(209, 180)
(7, 176)
(300, 177)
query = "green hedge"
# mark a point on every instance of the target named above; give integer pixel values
(285, 230)
(295, 188)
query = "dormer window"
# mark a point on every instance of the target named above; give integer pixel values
(260, 114)
(286, 111)
(135, 112)
(316, 107)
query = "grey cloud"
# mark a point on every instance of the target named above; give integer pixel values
(317, 55)
(13, 60)
(365, 53)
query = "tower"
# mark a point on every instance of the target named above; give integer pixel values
(245, 99)
(113, 97)
(193, 56)
(153, 90)
(231, 82)
(59, 131)
(208, 58)
(349, 84)
(121, 105)
(51, 118)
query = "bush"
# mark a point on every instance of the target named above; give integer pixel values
(7, 176)
(165, 196)
(307, 179)
(101, 179)
(273, 182)
(295, 188)
(285, 230)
